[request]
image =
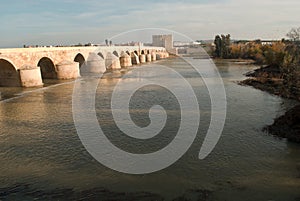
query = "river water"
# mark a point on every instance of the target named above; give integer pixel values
(42, 157)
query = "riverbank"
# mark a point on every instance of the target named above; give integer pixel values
(238, 61)
(287, 126)
(270, 79)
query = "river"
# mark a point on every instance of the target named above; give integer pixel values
(42, 157)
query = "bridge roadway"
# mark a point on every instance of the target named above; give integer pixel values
(27, 67)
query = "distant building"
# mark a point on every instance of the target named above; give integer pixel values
(186, 44)
(186, 47)
(132, 43)
(257, 41)
(165, 41)
(269, 42)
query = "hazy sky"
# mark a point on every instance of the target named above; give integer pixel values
(48, 22)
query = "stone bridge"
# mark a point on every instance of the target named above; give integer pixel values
(28, 67)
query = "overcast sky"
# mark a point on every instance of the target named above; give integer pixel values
(47, 22)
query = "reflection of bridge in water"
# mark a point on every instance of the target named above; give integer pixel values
(27, 67)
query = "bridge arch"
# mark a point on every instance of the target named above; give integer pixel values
(9, 76)
(116, 53)
(101, 55)
(122, 53)
(48, 69)
(80, 59)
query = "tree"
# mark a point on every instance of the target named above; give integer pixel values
(291, 69)
(292, 57)
(222, 44)
(227, 45)
(274, 54)
(294, 34)
(106, 42)
(218, 44)
(110, 43)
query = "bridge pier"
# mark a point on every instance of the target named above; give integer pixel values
(162, 55)
(112, 62)
(153, 56)
(158, 57)
(148, 58)
(125, 60)
(31, 77)
(142, 58)
(67, 70)
(94, 64)
(135, 59)
(166, 54)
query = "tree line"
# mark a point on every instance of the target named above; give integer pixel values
(273, 53)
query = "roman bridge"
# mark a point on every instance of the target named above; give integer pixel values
(28, 67)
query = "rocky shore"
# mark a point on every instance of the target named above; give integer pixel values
(287, 126)
(270, 79)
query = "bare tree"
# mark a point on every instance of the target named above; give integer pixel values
(294, 34)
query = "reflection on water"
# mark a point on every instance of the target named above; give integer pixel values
(42, 157)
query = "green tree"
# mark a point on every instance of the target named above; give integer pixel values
(218, 46)
(225, 53)
(222, 46)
